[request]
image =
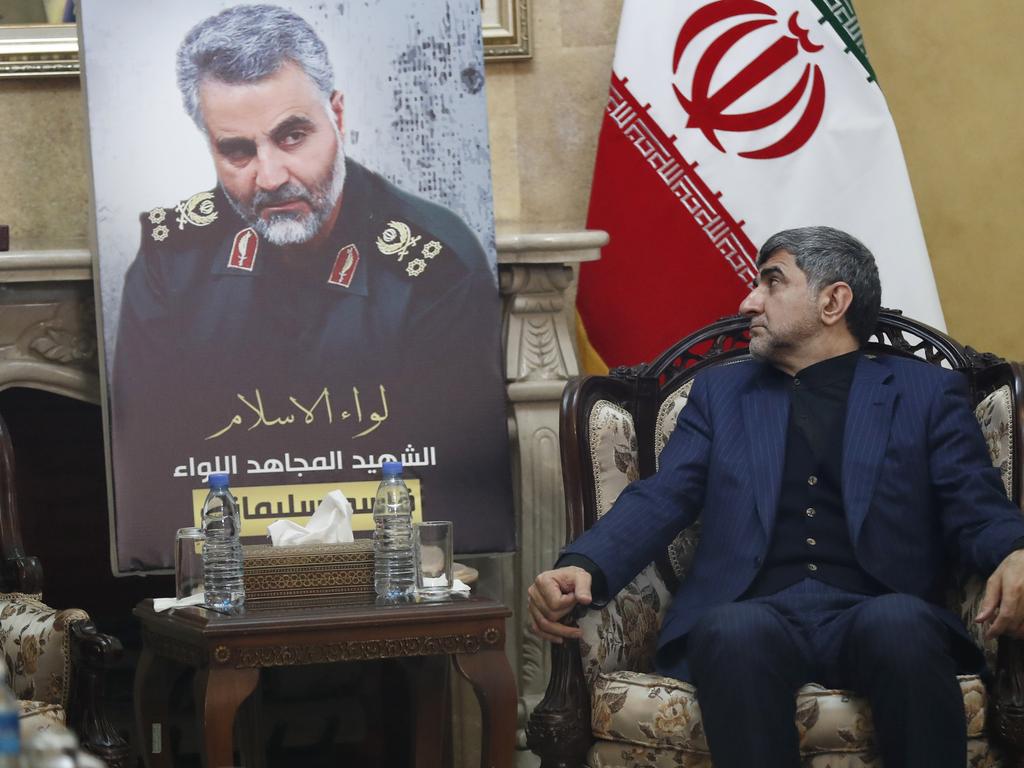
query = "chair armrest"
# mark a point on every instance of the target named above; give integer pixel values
(559, 729)
(93, 654)
(623, 635)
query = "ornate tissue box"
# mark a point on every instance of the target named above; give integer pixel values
(311, 575)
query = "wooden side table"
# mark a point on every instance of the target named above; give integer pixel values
(228, 652)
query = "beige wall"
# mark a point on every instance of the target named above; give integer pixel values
(951, 74)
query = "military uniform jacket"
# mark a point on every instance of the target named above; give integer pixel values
(223, 336)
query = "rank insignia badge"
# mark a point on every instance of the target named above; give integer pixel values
(397, 239)
(198, 210)
(243, 250)
(345, 264)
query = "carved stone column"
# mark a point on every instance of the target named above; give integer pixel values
(48, 322)
(535, 271)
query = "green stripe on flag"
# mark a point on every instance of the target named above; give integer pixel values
(842, 17)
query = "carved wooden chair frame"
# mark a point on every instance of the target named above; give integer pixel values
(559, 730)
(92, 652)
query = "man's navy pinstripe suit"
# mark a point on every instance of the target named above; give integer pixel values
(918, 491)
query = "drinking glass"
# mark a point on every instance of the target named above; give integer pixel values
(433, 559)
(188, 562)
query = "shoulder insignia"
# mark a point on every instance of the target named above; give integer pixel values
(198, 210)
(397, 238)
(243, 250)
(415, 267)
(160, 232)
(157, 216)
(431, 249)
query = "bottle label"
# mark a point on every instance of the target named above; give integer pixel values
(9, 741)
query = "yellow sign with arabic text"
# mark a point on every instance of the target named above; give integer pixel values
(259, 506)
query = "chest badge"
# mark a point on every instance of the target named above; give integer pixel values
(243, 250)
(345, 264)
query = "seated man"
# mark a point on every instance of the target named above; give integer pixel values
(833, 488)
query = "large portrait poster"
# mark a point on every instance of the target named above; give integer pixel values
(296, 266)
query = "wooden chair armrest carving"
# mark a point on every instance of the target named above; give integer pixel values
(559, 729)
(92, 655)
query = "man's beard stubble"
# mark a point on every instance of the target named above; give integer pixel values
(290, 228)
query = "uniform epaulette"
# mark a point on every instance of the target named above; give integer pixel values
(416, 250)
(200, 210)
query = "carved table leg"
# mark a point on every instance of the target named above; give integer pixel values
(154, 677)
(428, 676)
(491, 677)
(219, 693)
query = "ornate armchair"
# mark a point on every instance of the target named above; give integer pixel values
(56, 659)
(604, 706)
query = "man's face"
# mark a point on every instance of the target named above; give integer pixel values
(783, 311)
(276, 146)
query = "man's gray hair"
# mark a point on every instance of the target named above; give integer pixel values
(827, 256)
(246, 44)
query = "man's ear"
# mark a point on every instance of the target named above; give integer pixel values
(338, 108)
(834, 300)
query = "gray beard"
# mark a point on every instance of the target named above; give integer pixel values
(294, 228)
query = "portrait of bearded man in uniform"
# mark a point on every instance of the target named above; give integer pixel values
(304, 303)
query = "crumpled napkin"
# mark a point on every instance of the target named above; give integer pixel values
(163, 603)
(457, 585)
(330, 524)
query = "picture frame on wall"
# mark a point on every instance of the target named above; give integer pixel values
(51, 50)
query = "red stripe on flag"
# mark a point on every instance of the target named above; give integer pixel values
(677, 259)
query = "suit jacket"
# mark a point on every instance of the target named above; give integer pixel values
(919, 490)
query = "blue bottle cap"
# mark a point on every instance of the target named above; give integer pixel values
(219, 479)
(389, 468)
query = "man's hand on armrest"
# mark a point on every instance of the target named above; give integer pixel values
(552, 595)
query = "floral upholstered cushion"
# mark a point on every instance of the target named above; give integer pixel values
(623, 634)
(611, 754)
(35, 716)
(35, 643)
(613, 452)
(995, 415)
(652, 711)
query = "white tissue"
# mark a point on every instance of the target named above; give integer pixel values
(163, 603)
(330, 524)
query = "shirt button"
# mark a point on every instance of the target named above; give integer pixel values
(812, 567)
(811, 542)
(796, 382)
(810, 511)
(812, 480)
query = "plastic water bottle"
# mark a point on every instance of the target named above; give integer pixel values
(222, 550)
(394, 562)
(10, 742)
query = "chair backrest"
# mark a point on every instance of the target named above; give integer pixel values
(614, 427)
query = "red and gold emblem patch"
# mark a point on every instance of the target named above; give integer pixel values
(344, 266)
(243, 250)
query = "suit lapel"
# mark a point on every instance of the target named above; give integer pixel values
(765, 416)
(868, 421)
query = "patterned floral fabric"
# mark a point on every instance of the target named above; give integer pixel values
(35, 643)
(623, 634)
(613, 452)
(610, 754)
(652, 711)
(995, 414)
(35, 716)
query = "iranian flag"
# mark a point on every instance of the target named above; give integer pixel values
(727, 121)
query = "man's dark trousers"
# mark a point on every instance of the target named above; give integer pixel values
(747, 660)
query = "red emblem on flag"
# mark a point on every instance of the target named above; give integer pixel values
(243, 250)
(708, 111)
(345, 264)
